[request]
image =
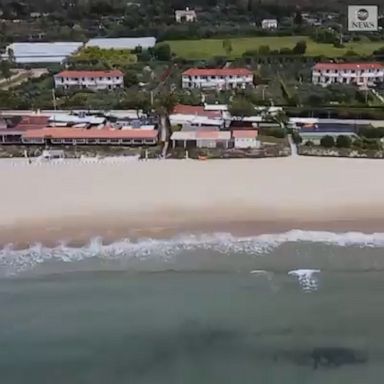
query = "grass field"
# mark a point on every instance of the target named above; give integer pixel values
(207, 48)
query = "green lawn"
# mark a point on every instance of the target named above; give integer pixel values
(207, 48)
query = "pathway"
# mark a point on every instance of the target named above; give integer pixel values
(293, 146)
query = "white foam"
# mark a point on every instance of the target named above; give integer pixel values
(12, 261)
(307, 278)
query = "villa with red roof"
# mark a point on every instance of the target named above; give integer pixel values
(361, 74)
(95, 80)
(221, 78)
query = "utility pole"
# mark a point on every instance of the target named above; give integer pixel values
(54, 99)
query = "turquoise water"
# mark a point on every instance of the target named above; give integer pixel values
(199, 315)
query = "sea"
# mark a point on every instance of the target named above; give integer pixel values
(294, 307)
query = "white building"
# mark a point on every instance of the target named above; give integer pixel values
(224, 78)
(246, 139)
(361, 74)
(269, 24)
(95, 80)
(185, 15)
(201, 139)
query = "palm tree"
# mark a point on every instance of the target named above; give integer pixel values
(164, 105)
(11, 55)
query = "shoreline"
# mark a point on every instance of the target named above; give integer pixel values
(75, 201)
(79, 232)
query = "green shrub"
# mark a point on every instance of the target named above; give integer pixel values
(343, 141)
(327, 141)
(297, 139)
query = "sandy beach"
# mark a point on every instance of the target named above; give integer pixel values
(74, 200)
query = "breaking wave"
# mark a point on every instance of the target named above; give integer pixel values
(13, 260)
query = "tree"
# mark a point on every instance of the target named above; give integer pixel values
(327, 141)
(264, 50)
(297, 139)
(298, 19)
(11, 55)
(162, 52)
(5, 69)
(241, 107)
(130, 79)
(343, 141)
(227, 45)
(300, 48)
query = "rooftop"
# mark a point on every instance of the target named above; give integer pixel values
(93, 133)
(42, 52)
(347, 66)
(79, 74)
(247, 134)
(197, 110)
(217, 72)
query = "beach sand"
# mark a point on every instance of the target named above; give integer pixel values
(74, 201)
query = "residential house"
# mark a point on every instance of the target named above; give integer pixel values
(185, 15)
(361, 74)
(201, 139)
(221, 78)
(269, 24)
(246, 139)
(95, 80)
(315, 131)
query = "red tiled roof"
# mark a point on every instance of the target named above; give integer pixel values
(80, 133)
(32, 122)
(247, 134)
(218, 72)
(79, 74)
(347, 66)
(197, 110)
(212, 135)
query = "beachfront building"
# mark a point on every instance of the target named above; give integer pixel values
(12, 131)
(221, 78)
(245, 139)
(361, 74)
(201, 139)
(315, 131)
(185, 15)
(269, 24)
(194, 117)
(94, 80)
(93, 136)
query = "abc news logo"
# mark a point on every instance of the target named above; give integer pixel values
(362, 18)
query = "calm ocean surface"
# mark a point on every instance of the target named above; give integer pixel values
(301, 307)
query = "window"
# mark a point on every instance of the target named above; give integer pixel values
(92, 79)
(114, 141)
(103, 141)
(67, 141)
